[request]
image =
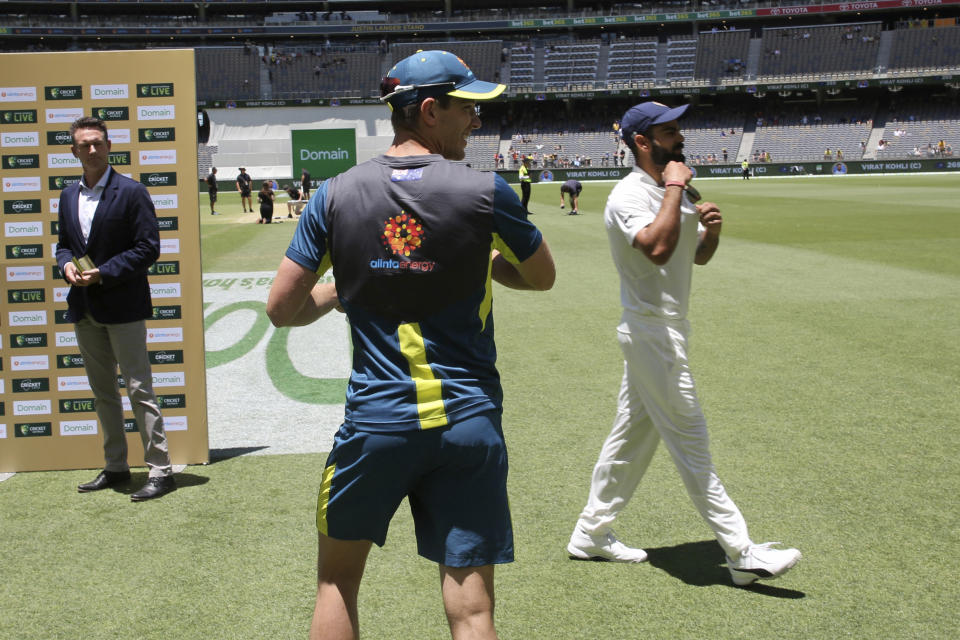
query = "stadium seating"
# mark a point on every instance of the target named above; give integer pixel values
(835, 49)
(632, 62)
(934, 49)
(232, 72)
(483, 56)
(918, 127)
(571, 64)
(681, 58)
(321, 73)
(722, 55)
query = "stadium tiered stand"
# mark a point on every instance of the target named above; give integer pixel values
(571, 64)
(522, 65)
(329, 74)
(483, 56)
(842, 127)
(707, 135)
(681, 58)
(632, 62)
(483, 147)
(915, 131)
(926, 49)
(819, 51)
(722, 55)
(227, 71)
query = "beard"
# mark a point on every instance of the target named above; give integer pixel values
(662, 156)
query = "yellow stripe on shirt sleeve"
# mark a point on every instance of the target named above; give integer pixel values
(430, 407)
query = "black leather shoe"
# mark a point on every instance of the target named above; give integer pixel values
(155, 487)
(104, 480)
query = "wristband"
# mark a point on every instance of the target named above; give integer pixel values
(682, 185)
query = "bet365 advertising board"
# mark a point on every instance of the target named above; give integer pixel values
(148, 102)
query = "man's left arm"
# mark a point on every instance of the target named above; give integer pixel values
(712, 221)
(144, 247)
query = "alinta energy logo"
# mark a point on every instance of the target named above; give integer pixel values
(72, 92)
(111, 113)
(28, 273)
(157, 134)
(18, 94)
(11, 184)
(402, 234)
(64, 116)
(19, 116)
(160, 156)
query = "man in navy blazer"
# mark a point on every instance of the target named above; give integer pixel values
(108, 239)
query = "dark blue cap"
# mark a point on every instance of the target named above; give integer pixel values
(641, 117)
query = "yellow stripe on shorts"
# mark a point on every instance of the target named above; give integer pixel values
(324, 498)
(430, 407)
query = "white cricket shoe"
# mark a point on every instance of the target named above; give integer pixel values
(584, 546)
(760, 561)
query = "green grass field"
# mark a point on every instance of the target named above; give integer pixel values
(827, 355)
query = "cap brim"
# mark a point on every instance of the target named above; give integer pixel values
(478, 90)
(671, 114)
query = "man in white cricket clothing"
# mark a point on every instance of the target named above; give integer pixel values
(656, 234)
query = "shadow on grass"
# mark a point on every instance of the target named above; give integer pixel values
(701, 564)
(183, 480)
(219, 455)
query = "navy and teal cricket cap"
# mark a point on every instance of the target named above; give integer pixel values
(641, 117)
(432, 73)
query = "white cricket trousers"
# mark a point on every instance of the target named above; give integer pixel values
(657, 401)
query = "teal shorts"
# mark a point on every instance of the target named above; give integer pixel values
(455, 478)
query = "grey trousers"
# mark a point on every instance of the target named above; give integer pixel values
(103, 347)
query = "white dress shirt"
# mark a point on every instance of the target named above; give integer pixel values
(87, 202)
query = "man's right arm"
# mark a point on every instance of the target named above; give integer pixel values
(659, 239)
(536, 273)
(295, 297)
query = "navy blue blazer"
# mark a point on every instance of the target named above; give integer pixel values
(124, 241)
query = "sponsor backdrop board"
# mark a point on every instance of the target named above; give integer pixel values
(148, 100)
(323, 152)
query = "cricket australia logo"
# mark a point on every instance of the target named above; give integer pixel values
(402, 234)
